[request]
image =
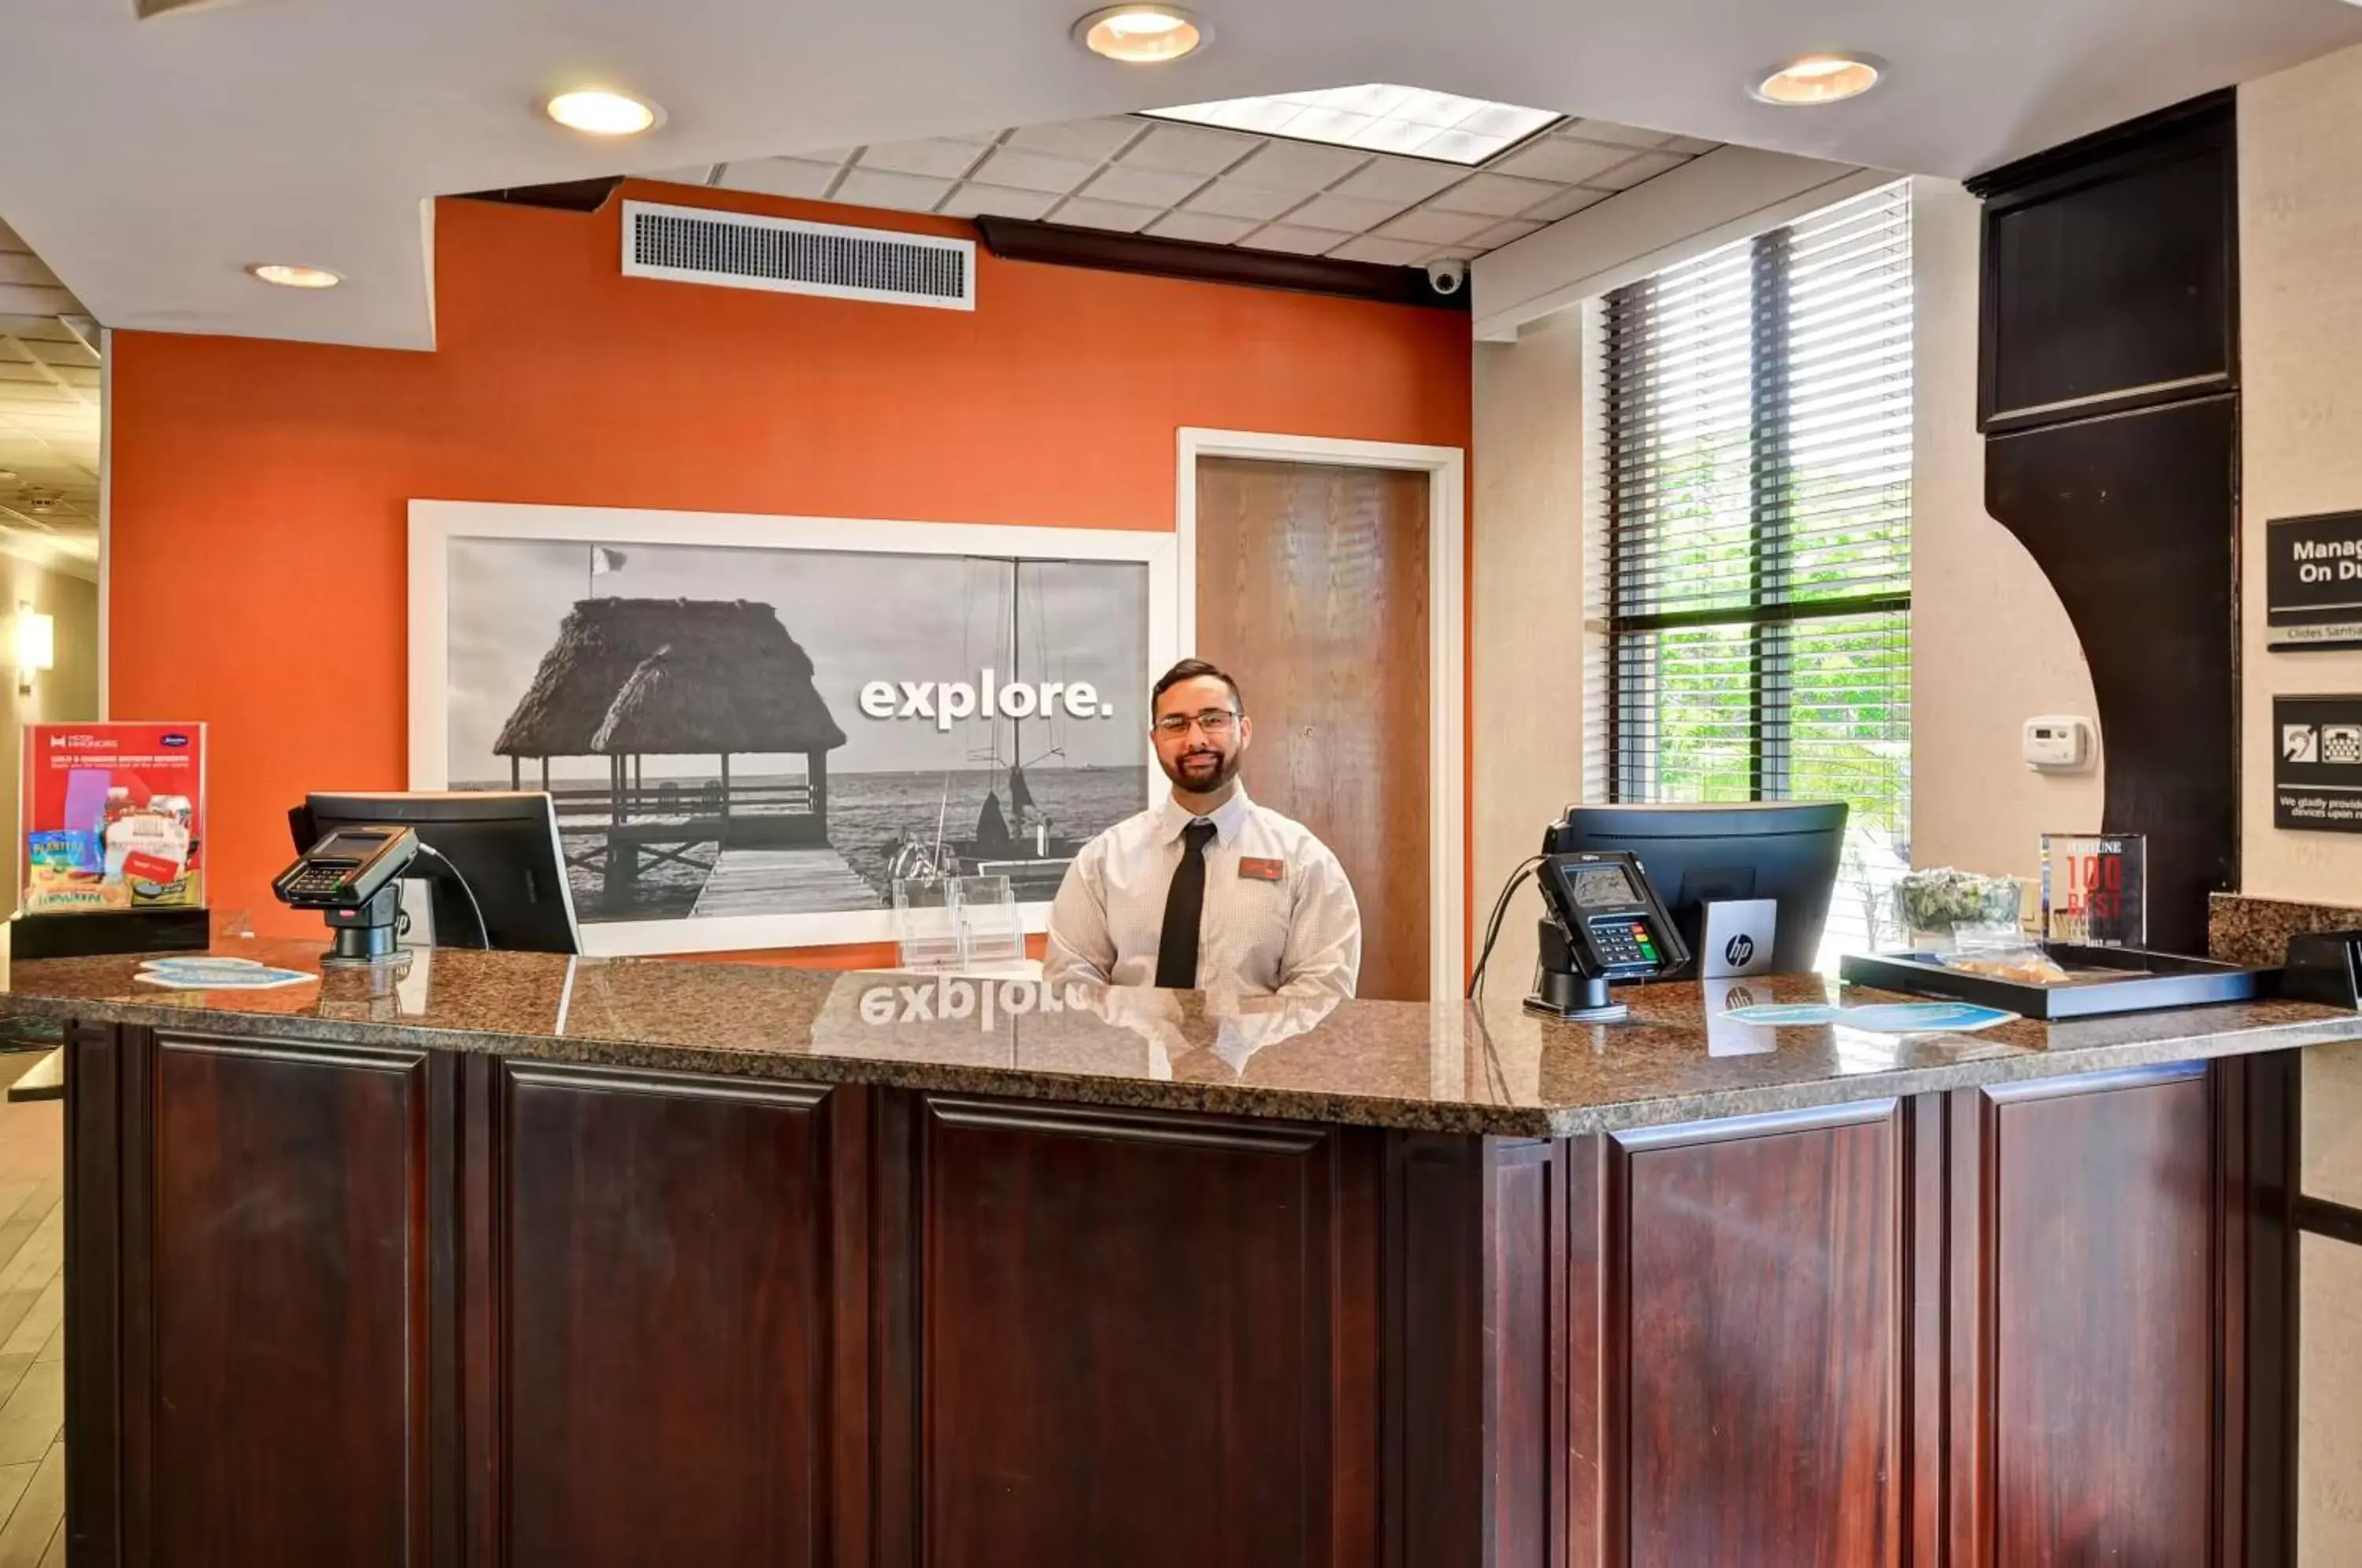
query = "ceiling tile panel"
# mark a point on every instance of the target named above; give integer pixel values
(1566, 204)
(1500, 195)
(1141, 187)
(779, 177)
(1203, 227)
(1118, 215)
(1230, 197)
(1608, 131)
(1632, 172)
(1502, 234)
(1385, 252)
(1095, 140)
(1400, 180)
(1432, 226)
(1298, 166)
(1189, 150)
(1347, 215)
(971, 199)
(1302, 241)
(1561, 158)
(1034, 171)
(938, 159)
(877, 188)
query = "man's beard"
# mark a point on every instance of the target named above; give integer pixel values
(1199, 781)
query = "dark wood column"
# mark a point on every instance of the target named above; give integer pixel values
(2108, 389)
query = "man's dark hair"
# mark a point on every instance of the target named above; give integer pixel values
(1191, 669)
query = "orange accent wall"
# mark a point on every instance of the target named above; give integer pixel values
(258, 570)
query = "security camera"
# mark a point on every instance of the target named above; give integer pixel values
(1447, 277)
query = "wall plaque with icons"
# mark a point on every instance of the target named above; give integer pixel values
(2317, 763)
(2312, 581)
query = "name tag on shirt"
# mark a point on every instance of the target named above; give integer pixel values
(1253, 870)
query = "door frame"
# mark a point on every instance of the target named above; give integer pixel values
(1447, 662)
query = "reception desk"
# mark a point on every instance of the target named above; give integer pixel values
(535, 1261)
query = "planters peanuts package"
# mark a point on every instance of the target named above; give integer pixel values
(112, 816)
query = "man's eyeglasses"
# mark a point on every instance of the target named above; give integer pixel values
(1215, 722)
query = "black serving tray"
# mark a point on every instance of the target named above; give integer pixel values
(2131, 979)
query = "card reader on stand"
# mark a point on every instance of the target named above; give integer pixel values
(1605, 923)
(354, 878)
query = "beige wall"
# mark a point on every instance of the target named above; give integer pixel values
(2300, 351)
(1991, 646)
(2300, 346)
(1525, 628)
(68, 691)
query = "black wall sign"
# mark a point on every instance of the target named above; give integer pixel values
(2312, 581)
(2317, 768)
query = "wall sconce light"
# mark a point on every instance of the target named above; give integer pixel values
(37, 645)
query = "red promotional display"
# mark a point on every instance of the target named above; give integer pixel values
(113, 817)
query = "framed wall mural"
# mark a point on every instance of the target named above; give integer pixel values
(748, 723)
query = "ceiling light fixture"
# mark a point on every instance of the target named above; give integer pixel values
(288, 276)
(1816, 79)
(1379, 117)
(1141, 35)
(595, 111)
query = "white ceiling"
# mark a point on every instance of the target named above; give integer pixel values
(149, 161)
(1220, 187)
(49, 415)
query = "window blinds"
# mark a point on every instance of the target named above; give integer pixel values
(1754, 415)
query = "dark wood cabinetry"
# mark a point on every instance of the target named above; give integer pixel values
(660, 1314)
(249, 1382)
(360, 1307)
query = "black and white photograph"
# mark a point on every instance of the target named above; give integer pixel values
(748, 731)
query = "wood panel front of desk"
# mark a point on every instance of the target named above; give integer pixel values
(406, 1308)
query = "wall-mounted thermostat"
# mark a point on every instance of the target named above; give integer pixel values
(2060, 742)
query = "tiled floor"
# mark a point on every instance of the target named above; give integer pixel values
(32, 1335)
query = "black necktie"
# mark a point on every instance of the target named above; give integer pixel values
(1185, 901)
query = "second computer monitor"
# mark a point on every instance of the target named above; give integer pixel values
(1695, 855)
(504, 842)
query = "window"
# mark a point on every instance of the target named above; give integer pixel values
(1752, 621)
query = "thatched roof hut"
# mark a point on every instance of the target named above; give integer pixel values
(649, 677)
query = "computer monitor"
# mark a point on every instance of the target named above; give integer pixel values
(1695, 855)
(503, 842)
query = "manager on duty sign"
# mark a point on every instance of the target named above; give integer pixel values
(2312, 581)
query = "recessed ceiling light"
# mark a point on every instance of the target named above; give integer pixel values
(1141, 35)
(594, 111)
(292, 277)
(1817, 79)
(1379, 117)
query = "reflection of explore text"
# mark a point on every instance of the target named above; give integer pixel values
(954, 999)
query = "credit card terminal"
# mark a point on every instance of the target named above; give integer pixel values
(1605, 923)
(353, 876)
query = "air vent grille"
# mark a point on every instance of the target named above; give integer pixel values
(739, 251)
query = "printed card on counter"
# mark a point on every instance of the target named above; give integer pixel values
(208, 973)
(112, 817)
(1888, 1018)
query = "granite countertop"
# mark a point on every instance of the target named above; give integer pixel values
(1445, 1067)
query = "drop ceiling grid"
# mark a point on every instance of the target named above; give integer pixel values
(49, 408)
(1223, 187)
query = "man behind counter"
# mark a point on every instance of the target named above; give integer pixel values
(1208, 891)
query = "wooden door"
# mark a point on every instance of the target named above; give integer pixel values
(1312, 592)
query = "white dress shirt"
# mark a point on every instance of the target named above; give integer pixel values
(1295, 933)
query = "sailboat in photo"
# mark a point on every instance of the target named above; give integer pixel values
(1019, 839)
